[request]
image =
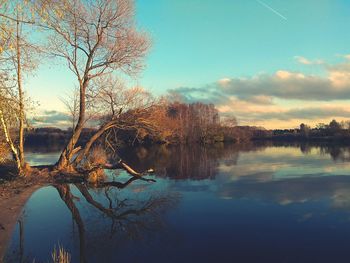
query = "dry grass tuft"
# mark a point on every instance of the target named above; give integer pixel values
(60, 255)
(98, 156)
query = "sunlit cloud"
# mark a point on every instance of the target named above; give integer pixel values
(224, 81)
(282, 99)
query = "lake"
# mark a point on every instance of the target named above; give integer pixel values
(221, 203)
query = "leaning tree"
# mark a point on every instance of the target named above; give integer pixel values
(96, 38)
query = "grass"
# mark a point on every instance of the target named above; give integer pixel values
(60, 255)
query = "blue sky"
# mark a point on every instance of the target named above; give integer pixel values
(202, 47)
(200, 41)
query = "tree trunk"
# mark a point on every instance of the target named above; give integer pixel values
(21, 100)
(10, 142)
(66, 195)
(83, 153)
(64, 161)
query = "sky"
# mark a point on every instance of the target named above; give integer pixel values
(270, 63)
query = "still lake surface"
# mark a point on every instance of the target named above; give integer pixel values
(223, 203)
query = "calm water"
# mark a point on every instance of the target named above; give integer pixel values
(217, 204)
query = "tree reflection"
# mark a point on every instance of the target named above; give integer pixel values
(336, 152)
(18, 254)
(129, 218)
(198, 162)
(67, 196)
(194, 162)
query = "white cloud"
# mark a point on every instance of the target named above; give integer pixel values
(305, 61)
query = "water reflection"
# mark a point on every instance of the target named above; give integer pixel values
(297, 190)
(104, 219)
(337, 153)
(254, 161)
(237, 203)
(193, 162)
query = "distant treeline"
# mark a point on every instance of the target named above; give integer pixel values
(54, 136)
(176, 123)
(333, 131)
(180, 123)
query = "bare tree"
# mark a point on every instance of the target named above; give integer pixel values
(119, 108)
(95, 38)
(14, 57)
(229, 121)
(8, 119)
(72, 104)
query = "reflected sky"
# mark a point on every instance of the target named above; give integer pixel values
(278, 163)
(225, 203)
(42, 158)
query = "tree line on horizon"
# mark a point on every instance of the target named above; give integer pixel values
(334, 130)
(175, 123)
